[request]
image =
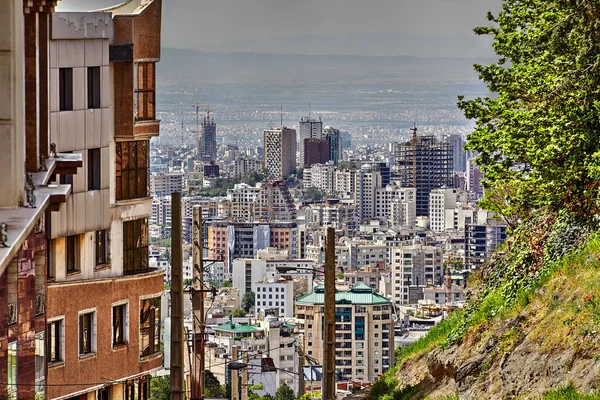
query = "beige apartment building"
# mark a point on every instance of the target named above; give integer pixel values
(364, 331)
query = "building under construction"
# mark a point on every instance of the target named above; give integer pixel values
(425, 163)
(209, 139)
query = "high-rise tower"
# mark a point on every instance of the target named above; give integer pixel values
(209, 139)
(425, 163)
(280, 152)
(309, 129)
(335, 144)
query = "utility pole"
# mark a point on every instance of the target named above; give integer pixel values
(329, 358)
(245, 359)
(177, 367)
(235, 377)
(198, 304)
(300, 370)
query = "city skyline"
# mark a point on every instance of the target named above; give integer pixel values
(431, 28)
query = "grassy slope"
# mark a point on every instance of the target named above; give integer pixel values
(560, 304)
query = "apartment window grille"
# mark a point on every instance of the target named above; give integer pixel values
(135, 246)
(132, 165)
(149, 326)
(93, 87)
(65, 83)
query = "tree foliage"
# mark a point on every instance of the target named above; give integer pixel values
(538, 134)
(248, 301)
(212, 385)
(238, 312)
(160, 388)
(284, 392)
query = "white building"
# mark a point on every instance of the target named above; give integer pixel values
(163, 184)
(274, 294)
(320, 176)
(416, 265)
(440, 201)
(397, 202)
(368, 181)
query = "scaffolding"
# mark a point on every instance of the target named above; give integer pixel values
(425, 163)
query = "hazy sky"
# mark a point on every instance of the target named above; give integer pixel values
(363, 27)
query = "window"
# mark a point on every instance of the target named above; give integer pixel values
(65, 83)
(137, 389)
(93, 87)
(12, 371)
(132, 170)
(145, 91)
(93, 169)
(135, 246)
(72, 253)
(101, 239)
(86, 333)
(149, 326)
(119, 324)
(40, 365)
(54, 341)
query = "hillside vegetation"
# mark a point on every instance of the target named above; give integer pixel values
(532, 325)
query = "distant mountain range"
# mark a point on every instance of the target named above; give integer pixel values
(236, 68)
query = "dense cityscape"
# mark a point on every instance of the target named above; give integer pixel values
(89, 264)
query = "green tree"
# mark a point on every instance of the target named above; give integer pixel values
(212, 385)
(248, 301)
(238, 312)
(314, 194)
(160, 388)
(284, 392)
(539, 132)
(227, 284)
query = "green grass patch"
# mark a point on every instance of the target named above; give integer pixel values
(569, 393)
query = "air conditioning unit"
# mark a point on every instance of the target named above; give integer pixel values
(12, 313)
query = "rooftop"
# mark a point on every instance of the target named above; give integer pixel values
(358, 294)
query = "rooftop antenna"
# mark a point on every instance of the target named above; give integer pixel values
(182, 128)
(309, 110)
(281, 116)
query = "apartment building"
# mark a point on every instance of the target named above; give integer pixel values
(274, 203)
(242, 166)
(102, 106)
(364, 330)
(415, 266)
(271, 344)
(232, 240)
(280, 152)
(163, 184)
(368, 181)
(31, 194)
(274, 296)
(395, 201)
